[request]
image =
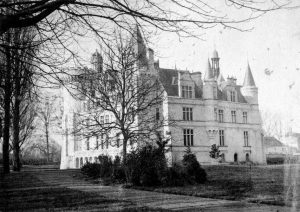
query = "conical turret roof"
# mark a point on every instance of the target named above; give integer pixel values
(208, 72)
(220, 79)
(215, 54)
(248, 80)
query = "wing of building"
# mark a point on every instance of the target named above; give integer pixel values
(204, 110)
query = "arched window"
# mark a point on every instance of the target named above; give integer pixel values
(81, 162)
(235, 157)
(222, 157)
(247, 157)
(77, 162)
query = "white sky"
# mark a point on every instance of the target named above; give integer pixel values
(274, 43)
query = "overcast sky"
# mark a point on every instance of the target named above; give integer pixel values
(273, 46)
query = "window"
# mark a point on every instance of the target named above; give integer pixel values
(215, 92)
(102, 141)
(245, 121)
(216, 114)
(188, 137)
(221, 137)
(186, 92)
(97, 142)
(101, 119)
(187, 113)
(221, 116)
(157, 114)
(233, 116)
(106, 141)
(106, 118)
(118, 140)
(232, 96)
(246, 139)
(88, 144)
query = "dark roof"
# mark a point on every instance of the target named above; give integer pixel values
(271, 142)
(248, 80)
(166, 77)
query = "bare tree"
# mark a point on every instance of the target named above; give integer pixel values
(47, 115)
(272, 124)
(123, 96)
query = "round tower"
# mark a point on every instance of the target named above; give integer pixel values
(210, 84)
(97, 61)
(215, 64)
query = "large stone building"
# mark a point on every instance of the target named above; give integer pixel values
(206, 110)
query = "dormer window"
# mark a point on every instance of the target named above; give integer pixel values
(174, 80)
(186, 92)
(232, 96)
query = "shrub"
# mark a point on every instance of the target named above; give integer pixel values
(146, 166)
(174, 176)
(193, 170)
(91, 169)
(275, 160)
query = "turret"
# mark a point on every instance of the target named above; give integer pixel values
(210, 84)
(249, 89)
(141, 50)
(97, 62)
(215, 64)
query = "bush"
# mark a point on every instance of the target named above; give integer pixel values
(146, 166)
(174, 176)
(105, 169)
(91, 169)
(277, 160)
(193, 170)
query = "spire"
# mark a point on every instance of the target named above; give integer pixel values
(208, 73)
(141, 50)
(215, 54)
(248, 80)
(220, 79)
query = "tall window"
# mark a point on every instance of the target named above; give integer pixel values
(97, 142)
(157, 114)
(232, 96)
(102, 141)
(106, 118)
(215, 92)
(187, 113)
(106, 141)
(188, 137)
(118, 140)
(88, 144)
(216, 114)
(245, 117)
(233, 116)
(186, 92)
(221, 138)
(101, 119)
(221, 116)
(246, 138)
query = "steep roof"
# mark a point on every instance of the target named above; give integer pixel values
(215, 54)
(270, 141)
(169, 79)
(248, 80)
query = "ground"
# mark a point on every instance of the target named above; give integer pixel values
(275, 185)
(66, 190)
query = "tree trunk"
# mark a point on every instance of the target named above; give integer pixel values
(125, 140)
(47, 142)
(16, 124)
(7, 96)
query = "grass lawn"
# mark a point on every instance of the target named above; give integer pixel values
(276, 185)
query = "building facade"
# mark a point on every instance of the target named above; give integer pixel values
(205, 111)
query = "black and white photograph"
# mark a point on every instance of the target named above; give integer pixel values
(150, 105)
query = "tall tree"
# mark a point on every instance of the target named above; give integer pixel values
(123, 96)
